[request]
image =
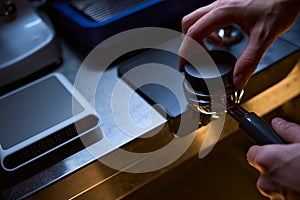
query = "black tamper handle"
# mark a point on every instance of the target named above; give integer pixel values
(259, 130)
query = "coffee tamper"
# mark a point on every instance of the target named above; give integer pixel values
(202, 99)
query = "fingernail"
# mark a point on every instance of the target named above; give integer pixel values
(251, 154)
(278, 121)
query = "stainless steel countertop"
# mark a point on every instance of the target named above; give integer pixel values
(96, 180)
(114, 137)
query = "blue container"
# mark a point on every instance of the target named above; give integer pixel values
(92, 21)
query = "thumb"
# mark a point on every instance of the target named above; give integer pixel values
(287, 130)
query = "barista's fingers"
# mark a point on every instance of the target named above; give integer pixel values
(268, 158)
(268, 187)
(248, 60)
(290, 132)
(191, 18)
(188, 48)
(279, 162)
(215, 38)
(202, 28)
(275, 191)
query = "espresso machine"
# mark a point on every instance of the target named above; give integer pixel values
(27, 39)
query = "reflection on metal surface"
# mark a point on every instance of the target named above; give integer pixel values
(33, 23)
(230, 35)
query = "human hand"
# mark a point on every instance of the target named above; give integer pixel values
(263, 21)
(279, 165)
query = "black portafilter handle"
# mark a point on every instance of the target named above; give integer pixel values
(254, 126)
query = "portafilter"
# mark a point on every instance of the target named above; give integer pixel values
(225, 100)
